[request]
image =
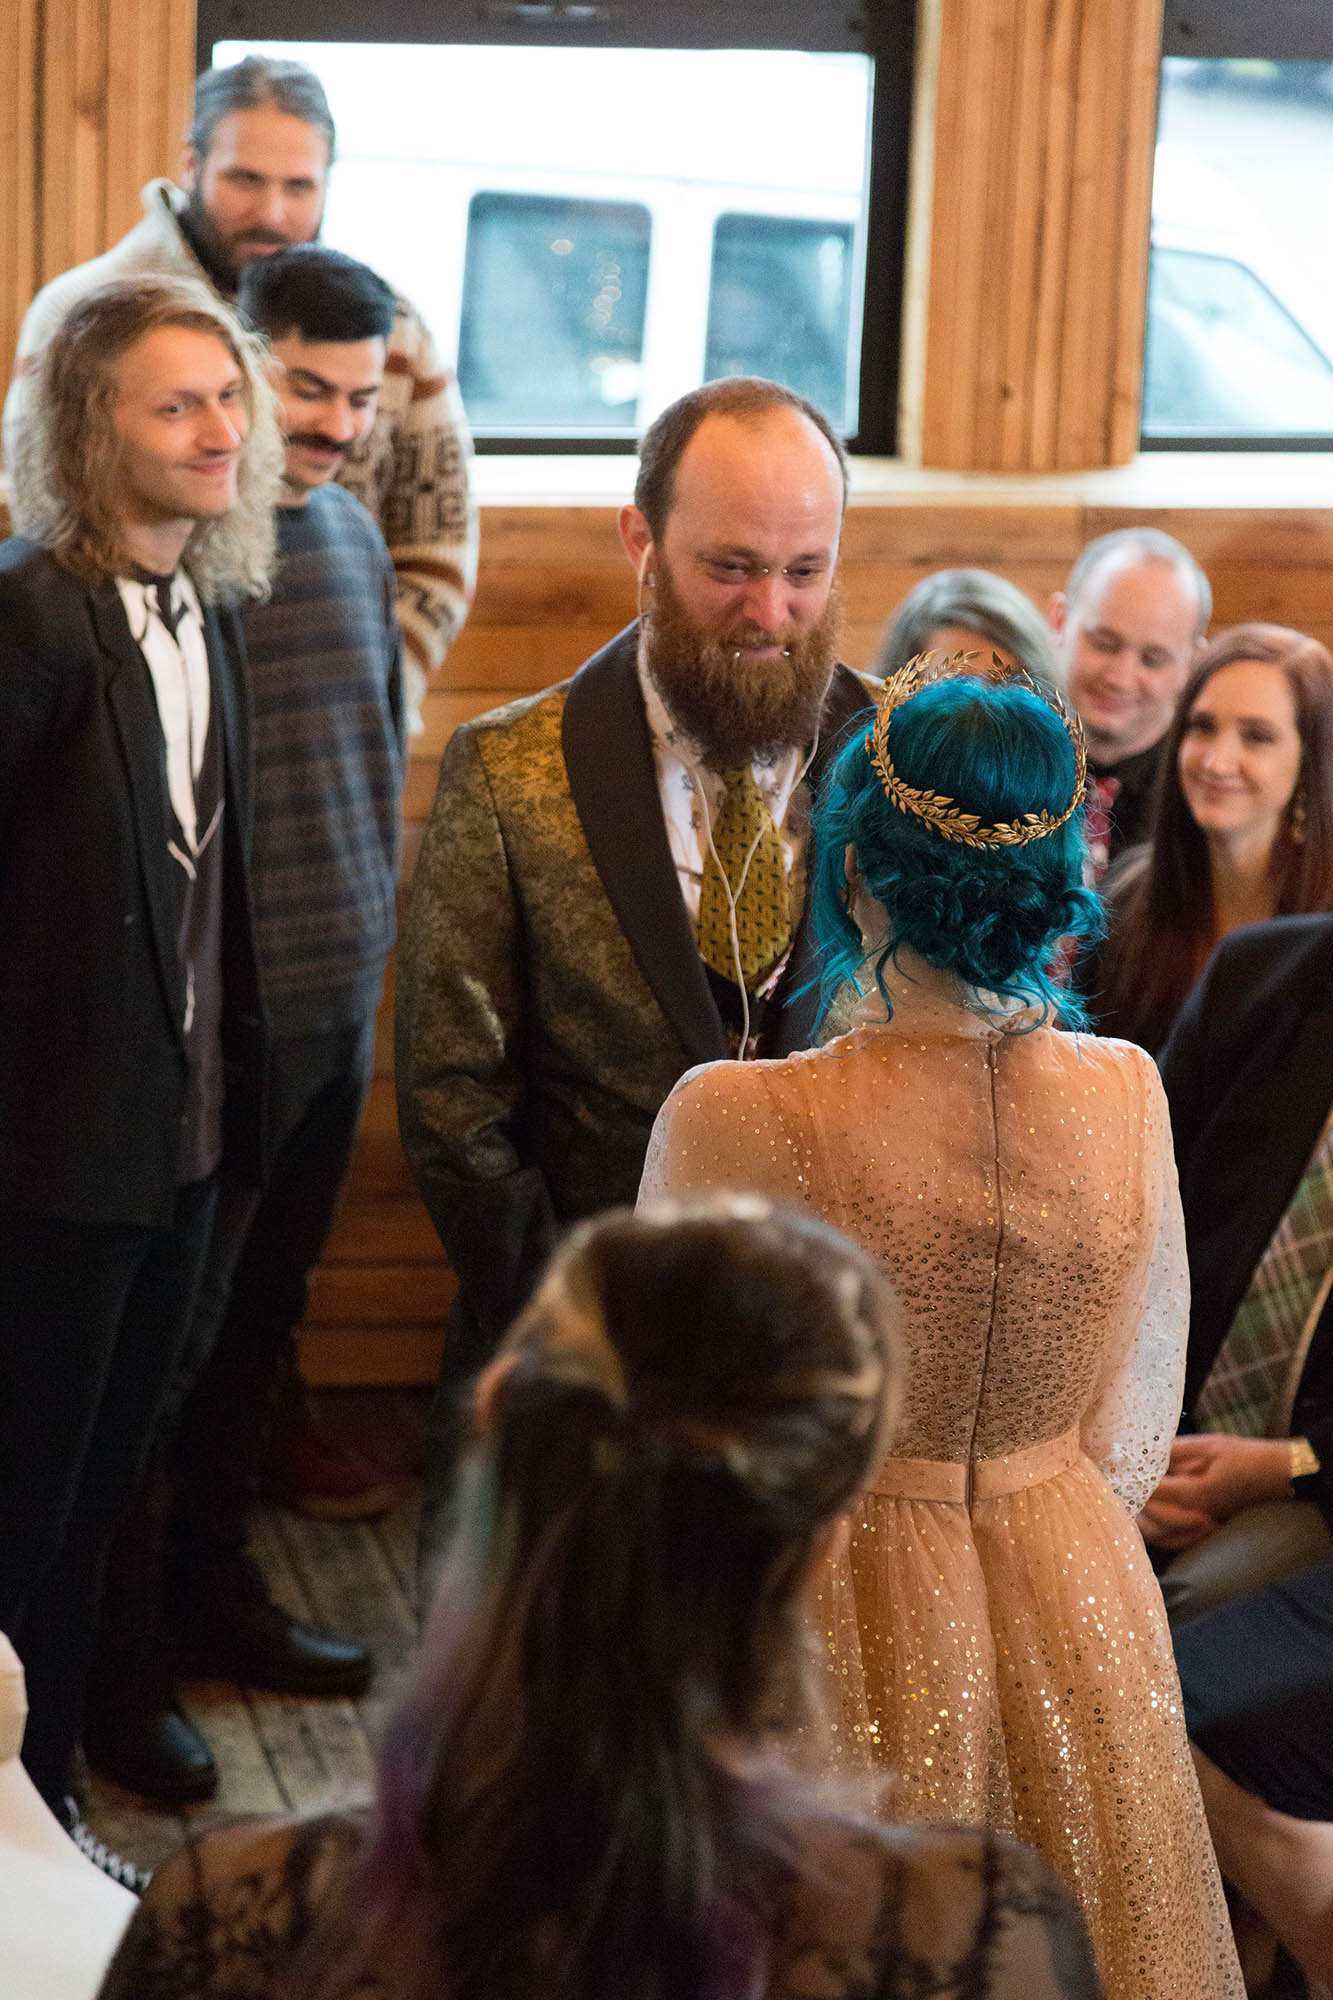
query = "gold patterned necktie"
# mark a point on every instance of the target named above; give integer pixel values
(763, 906)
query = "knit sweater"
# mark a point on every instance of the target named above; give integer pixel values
(326, 684)
(412, 470)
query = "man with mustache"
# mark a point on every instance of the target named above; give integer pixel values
(612, 880)
(254, 181)
(326, 679)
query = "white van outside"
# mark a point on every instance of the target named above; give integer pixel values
(594, 231)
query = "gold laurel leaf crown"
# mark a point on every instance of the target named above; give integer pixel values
(945, 815)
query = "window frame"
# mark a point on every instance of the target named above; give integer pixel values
(882, 29)
(1279, 31)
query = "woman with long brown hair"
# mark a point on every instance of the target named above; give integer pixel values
(1242, 826)
(585, 1793)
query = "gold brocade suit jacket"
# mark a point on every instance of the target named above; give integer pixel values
(550, 990)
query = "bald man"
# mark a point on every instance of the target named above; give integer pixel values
(1128, 627)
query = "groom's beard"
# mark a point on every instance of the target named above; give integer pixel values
(735, 707)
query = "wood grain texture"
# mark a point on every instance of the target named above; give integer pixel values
(20, 218)
(94, 104)
(1043, 122)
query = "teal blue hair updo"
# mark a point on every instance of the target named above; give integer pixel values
(992, 915)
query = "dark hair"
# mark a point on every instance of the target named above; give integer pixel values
(983, 602)
(692, 1396)
(1142, 545)
(252, 84)
(317, 293)
(1162, 919)
(992, 915)
(743, 397)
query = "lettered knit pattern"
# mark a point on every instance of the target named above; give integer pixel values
(325, 673)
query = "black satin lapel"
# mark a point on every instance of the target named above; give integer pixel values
(134, 711)
(229, 681)
(608, 756)
(847, 706)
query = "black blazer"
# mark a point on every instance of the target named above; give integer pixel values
(1249, 1079)
(92, 1051)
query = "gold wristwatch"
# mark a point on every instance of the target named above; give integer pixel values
(1304, 1468)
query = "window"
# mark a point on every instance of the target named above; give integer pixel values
(593, 225)
(551, 332)
(779, 304)
(1239, 338)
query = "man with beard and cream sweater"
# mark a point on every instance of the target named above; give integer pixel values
(611, 884)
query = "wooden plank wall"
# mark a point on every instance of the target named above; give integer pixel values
(554, 586)
(95, 99)
(1028, 355)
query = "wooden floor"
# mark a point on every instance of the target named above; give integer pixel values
(275, 1752)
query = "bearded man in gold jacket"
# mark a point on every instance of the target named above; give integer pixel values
(612, 880)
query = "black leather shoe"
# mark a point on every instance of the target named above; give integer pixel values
(234, 1629)
(156, 1751)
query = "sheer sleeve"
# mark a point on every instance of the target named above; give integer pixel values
(951, 1912)
(248, 1913)
(1128, 1427)
(720, 1132)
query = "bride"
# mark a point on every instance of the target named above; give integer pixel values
(996, 1637)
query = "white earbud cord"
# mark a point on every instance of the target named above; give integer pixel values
(733, 896)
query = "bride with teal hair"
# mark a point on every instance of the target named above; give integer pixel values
(995, 1637)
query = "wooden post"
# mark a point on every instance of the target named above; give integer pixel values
(97, 106)
(1043, 119)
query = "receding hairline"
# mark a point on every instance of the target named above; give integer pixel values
(262, 104)
(1140, 548)
(774, 415)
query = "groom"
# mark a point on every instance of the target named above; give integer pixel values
(612, 881)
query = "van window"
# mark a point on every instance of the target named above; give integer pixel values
(779, 304)
(1239, 338)
(1225, 357)
(593, 231)
(551, 332)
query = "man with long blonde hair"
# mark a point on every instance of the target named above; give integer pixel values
(131, 1042)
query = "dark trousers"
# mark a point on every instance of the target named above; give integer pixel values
(252, 1296)
(94, 1319)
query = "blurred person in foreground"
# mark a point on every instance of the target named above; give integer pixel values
(997, 1637)
(969, 611)
(587, 1792)
(1241, 831)
(1128, 626)
(131, 1042)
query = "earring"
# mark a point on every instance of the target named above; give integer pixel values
(1298, 818)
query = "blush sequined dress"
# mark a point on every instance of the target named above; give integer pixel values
(996, 1636)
